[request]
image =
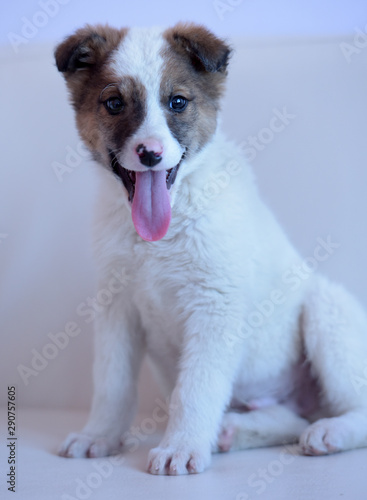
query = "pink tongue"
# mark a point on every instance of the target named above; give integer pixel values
(151, 209)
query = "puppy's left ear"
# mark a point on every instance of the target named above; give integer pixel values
(206, 51)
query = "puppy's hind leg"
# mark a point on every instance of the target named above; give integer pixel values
(335, 339)
(268, 426)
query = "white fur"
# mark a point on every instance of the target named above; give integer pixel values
(139, 57)
(187, 302)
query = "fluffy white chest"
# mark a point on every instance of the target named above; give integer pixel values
(166, 291)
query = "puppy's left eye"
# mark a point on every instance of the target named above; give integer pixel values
(114, 105)
(178, 103)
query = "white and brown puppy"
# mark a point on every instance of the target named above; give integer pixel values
(251, 353)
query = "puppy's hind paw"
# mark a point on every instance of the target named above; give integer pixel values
(323, 437)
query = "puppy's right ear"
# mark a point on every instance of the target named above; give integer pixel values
(86, 48)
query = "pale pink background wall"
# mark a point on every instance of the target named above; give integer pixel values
(226, 17)
(312, 172)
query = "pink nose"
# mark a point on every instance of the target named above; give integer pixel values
(150, 144)
(150, 152)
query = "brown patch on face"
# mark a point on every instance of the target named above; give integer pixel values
(84, 53)
(84, 60)
(102, 130)
(195, 68)
(118, 128)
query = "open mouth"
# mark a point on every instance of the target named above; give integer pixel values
(128, 177)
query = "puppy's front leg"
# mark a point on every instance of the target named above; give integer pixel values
(119, 347)
(203, 389)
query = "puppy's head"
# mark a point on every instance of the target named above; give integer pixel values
(146, 101)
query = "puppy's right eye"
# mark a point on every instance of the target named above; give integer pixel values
(114, 105)
(178, 103)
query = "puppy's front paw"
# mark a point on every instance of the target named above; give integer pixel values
(80, 445)
(178, 460)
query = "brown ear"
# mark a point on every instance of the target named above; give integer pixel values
(87, 47)
(206, 51)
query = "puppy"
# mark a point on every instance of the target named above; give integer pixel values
(251, 351)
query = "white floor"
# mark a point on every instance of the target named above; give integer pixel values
(277, 473)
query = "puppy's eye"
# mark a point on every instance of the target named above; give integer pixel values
(114, 105)
(178, 103)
